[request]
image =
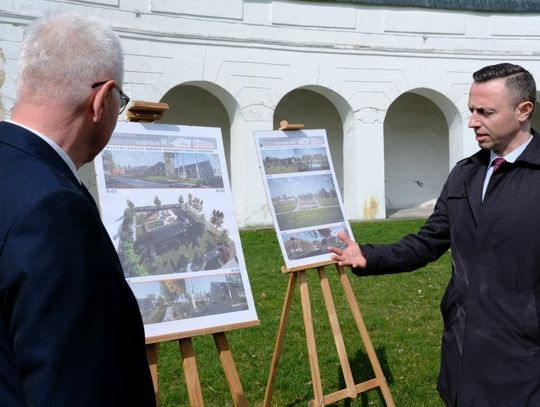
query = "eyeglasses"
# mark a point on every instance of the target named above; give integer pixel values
(124, 99)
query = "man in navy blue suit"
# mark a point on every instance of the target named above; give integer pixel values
(70, 330)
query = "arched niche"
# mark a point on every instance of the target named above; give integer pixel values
(417, 148)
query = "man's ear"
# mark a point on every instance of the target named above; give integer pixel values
(525, 110)
(100, 100)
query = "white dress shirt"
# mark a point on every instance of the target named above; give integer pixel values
(510, 157)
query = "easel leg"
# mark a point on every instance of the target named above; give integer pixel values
(191, 374)
(279, 339)
(318, 399)
(355, 310)
(336, 331)
(152, 356)
(231, 374)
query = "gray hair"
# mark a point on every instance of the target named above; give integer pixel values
(64, 54)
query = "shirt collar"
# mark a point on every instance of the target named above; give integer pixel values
(513, 155)
(54, 146)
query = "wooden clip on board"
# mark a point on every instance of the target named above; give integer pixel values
(141, 111)
(285, 125)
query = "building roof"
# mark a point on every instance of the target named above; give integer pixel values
(167, 232)
(498, 6)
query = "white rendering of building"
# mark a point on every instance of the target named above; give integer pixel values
(388, 83)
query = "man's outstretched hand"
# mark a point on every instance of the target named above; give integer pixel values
(351, 255)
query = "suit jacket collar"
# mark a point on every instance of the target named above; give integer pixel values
(23, 139)
(476, 167)
(531, 154)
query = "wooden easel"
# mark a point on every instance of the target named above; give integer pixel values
(351, 389)
(189, 363)
(141, 111)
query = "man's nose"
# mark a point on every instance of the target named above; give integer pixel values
(473, 122)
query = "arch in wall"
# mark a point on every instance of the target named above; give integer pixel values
(422, 141)
(317, 107)
(454, 121)
(201, 103)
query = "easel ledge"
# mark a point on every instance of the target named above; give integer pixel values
(199, 332)
(324, 263)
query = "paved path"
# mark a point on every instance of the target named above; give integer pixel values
(423, 211)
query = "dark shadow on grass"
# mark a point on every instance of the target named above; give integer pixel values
(363, 371)
(299, 401)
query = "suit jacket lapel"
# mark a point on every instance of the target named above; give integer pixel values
(474, 182)
(473, 187)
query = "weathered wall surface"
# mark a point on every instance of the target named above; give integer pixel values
(259, 57)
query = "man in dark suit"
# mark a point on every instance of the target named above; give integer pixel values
(70, 330)
(488, 213)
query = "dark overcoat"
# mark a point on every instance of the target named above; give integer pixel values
(491, 307)
(70, 330)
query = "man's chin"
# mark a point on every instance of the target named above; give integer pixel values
(485, 145)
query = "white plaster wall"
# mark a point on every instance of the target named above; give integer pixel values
(416, 151)
(254, 52)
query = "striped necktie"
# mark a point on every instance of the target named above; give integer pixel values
(497, 163)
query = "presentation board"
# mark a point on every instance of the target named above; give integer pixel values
(303, 194)
(166, 203)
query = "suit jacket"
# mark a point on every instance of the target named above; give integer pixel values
(70, 330)
(491, 307)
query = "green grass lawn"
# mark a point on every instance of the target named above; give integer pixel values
(285, 206)
(309, 217)
(401, 313)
